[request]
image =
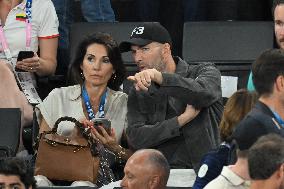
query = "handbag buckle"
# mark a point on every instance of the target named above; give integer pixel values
(52, 143)
(67, 140)
(77, 149)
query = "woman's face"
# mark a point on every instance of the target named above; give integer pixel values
(96, 65)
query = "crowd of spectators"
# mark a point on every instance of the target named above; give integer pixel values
(172, 117)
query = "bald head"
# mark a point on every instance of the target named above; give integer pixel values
(146, 168)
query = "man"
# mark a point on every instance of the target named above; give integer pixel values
(174, 107)
(237, 176)
(14, 173)
(147, 169)
(268, 79)
(278, 16)
(265, 117)
(234, 176)
(266, 163)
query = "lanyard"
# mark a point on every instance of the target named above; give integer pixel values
(278, 118)
(5, 46)
(89, 106)
(28, 24)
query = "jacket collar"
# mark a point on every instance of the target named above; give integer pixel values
(181, 66)
(260, 106)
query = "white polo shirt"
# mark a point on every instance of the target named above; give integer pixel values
(228, 180)
(44, 25)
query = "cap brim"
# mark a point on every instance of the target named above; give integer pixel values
(125, 46)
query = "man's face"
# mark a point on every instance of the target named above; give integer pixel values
(11, 182)
(137, 174)
(279, 25)
(148, 56)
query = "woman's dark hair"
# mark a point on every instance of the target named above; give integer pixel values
(74, 74)
(236, 108)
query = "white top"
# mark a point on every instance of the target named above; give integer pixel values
(228, 180)
(44, 25)
(67, 101)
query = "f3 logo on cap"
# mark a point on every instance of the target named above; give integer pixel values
(138, 31)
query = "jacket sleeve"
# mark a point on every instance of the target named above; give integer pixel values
(201, 90)
(143, 135)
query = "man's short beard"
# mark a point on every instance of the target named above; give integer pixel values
(161, 67)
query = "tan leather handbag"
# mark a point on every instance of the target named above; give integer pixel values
(66, 158)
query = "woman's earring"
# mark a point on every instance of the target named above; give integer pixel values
(82, 76)
(114, 76)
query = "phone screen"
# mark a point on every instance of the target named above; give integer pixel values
(25, 54)
(105, 123)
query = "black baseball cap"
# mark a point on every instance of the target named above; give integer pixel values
(145, 33)
(250, 129)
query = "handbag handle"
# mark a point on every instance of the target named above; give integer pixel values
(83, 130)
(65, 118)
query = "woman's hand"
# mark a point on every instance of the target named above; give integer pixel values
(29, 64)
(101, 135)
(109, 141)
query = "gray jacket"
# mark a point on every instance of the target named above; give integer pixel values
(152, 115)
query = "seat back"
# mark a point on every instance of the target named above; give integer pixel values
(120, 31)
(10, 126)
(226, 41)
(231, 45)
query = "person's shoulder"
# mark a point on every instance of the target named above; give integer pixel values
(118, 94)
(42, 6)
(71, 92)
(219, 182)
(43, 2)
(205, 65)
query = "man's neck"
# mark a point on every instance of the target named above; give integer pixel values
(262, 184)
(241, 168)
(170, 65)
(274, 104)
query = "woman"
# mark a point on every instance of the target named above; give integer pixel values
(236, 108)
(96, 74)
(26, 25)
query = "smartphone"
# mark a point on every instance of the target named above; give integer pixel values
(105, 123)
(23, 55)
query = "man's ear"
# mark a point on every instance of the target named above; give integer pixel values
(167, 48)
(279, 174)
(154, 181)
(281, 171)
(279, 83)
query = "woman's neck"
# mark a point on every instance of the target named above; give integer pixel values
(95, 92)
